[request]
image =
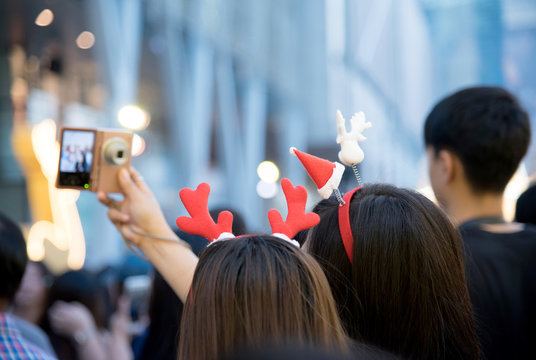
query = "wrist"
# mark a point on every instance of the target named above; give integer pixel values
(82, 336)
(151, 237)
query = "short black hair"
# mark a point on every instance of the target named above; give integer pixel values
(13, 257)
(487, 129)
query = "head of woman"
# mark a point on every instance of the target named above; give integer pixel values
(404, 289)
(254, 290)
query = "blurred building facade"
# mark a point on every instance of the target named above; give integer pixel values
(229, 84)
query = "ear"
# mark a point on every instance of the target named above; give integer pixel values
(447, 162)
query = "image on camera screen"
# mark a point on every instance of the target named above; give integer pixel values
(76, 157)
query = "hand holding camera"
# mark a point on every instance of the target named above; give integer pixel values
(90, 159)
(139, 213)
(140, 221)
(99, 161)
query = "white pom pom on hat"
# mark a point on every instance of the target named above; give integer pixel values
(327, 175)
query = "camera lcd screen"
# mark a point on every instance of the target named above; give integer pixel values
(77, 147)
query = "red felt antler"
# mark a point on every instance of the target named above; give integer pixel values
(297, 219)
(201, 223)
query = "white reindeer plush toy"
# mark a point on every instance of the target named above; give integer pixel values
(351, 154)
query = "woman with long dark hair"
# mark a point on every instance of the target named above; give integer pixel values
(257, 289)
(247, 291)
(396, 271)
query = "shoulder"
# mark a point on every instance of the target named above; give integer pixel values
(530, 229)
(33, 334)
(14, 344)
(521, 233)
(511, 249)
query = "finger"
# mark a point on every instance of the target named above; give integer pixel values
(76, 304)
(127, 184)
(108, 201)
(56, 314)
(123, 306)
(116, 216)
(128, 235)
(138, 179)
(103, 198)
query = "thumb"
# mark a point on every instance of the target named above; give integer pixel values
(128, 187)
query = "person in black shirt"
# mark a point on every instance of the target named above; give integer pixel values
(475, 140)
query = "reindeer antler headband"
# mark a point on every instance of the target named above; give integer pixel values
(201, 223)
(327, 175)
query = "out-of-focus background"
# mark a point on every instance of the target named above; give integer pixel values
(213, 88)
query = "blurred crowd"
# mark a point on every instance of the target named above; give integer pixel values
(98, 315)
(380, 273)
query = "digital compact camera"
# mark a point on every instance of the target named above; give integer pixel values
(90, 159)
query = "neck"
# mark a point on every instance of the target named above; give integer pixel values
(471, 206)
(31, 313)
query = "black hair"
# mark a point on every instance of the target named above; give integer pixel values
(526, 206)
(165, 313)
(487, 129)
(405, 290)
(13, 257)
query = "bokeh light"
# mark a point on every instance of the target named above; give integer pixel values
(268, 172)
(138, 145)
(519, 183)
(85, 40)
(266, 190)
(428, 192)
(133, 117)
(45, 18)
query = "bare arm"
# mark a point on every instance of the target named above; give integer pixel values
(139, 213)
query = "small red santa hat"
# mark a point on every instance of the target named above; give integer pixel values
(327, 175)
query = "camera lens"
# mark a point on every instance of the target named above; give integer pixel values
(115, 151)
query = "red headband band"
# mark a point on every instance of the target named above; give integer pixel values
(344, 224)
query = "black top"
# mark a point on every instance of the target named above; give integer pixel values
(501, 276)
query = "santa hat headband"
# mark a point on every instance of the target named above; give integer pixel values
(201, 223)
(327, 175)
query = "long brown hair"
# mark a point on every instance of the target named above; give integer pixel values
(405, 290)
(254, 290)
